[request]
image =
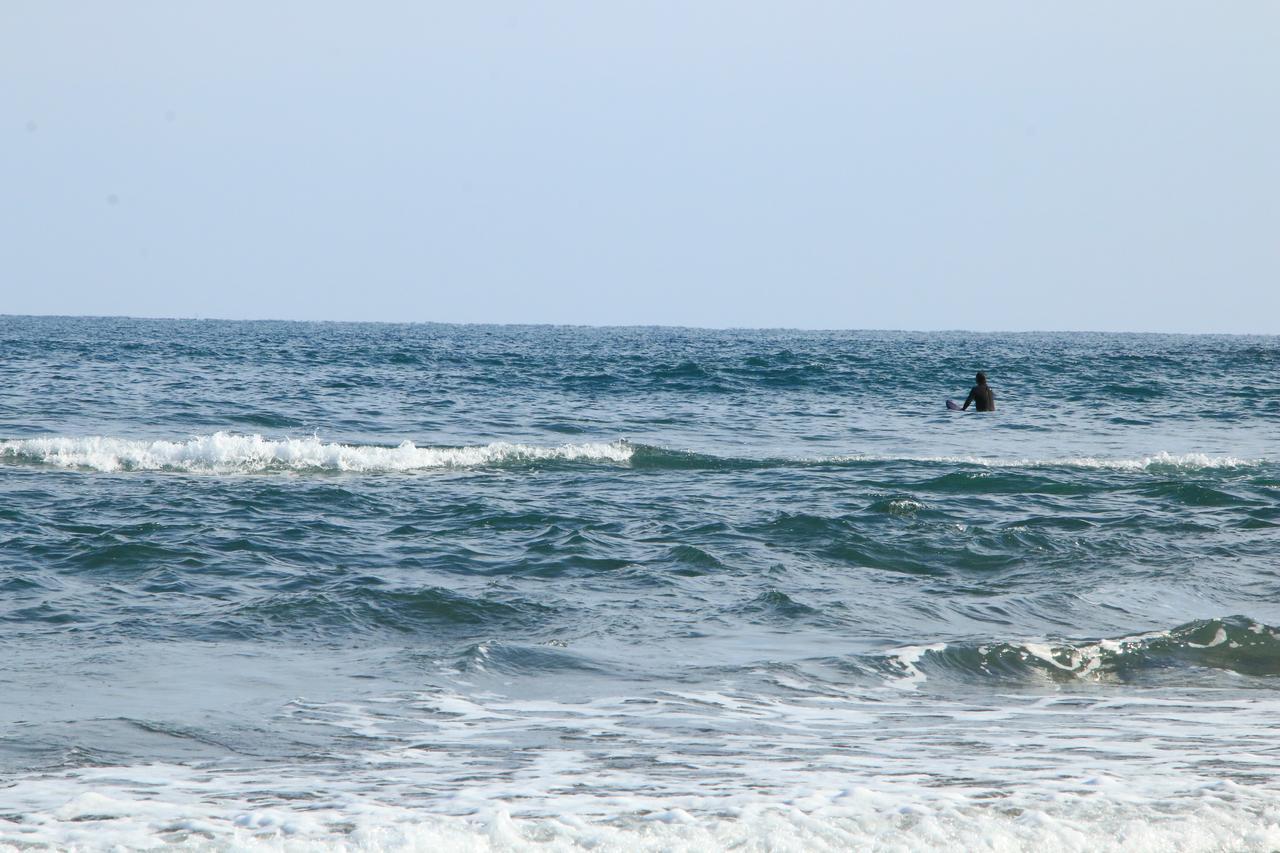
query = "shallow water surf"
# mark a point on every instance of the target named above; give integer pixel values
(326, 586)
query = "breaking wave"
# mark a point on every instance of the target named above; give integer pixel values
(1233, 644)
(224, 453)
(1162, 462)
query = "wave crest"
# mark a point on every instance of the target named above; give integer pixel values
(1235, 644)
(224, 452)
(1161, 462)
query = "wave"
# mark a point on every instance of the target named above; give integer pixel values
(1234, 644)
(522, 659)
(358, 604)
(1162, 462)
(224, 452)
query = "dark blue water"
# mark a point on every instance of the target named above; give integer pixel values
(355, 586)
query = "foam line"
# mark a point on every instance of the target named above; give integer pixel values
(225, 452)
(1161, 461)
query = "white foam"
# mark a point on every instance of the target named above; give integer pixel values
(1219, 638)
(853, 819)
(224, 452)
(906, 659)
(708, 767)
(1155, 462)
(1084, 659)
(808, 773)
(1161, 460)
(905, 506)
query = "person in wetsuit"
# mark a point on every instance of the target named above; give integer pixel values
(981, 394)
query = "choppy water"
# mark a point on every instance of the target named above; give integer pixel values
(306, 586)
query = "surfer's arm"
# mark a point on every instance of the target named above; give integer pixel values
(967, 401)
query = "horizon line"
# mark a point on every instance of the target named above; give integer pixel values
(954, 330)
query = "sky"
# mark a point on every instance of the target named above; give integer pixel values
(866, 165)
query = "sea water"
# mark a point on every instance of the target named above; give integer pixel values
(287, 586)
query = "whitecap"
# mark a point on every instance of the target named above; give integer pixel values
(224, 452)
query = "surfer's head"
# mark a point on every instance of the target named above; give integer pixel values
(981, 377)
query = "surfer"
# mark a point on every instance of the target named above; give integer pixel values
(981, 394)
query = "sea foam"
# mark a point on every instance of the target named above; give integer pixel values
(1155, 463)
(224, 452)
(1097, 818)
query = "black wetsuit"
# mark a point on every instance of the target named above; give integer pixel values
(983, 396)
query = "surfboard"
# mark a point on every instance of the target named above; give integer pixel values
(953, 406)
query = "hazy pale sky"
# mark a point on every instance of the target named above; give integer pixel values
(976, 165)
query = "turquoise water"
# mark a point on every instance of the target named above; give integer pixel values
(357, 586)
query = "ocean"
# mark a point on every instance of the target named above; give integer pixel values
(298, 586)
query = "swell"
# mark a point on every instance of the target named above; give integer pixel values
(225, 452)
(359, 605)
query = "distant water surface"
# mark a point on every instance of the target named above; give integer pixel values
(359, 586)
